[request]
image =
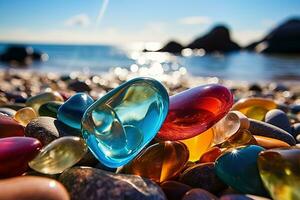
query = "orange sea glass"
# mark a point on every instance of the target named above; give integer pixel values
(159, 162)
(193, 111)
(270, 143)
(199, 144)
(255, 108)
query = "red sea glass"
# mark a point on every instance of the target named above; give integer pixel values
(195, 110)
(10, 127)
(15, 153)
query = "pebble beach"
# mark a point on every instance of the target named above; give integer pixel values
(245, 150)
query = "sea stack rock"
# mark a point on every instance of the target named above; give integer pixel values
(283, 39)
(217, 40)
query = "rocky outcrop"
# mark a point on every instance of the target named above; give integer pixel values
(216, 40)
(283, 39)
(21, 55)
(172, 47)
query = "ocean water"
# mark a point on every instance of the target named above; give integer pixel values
(93, 59)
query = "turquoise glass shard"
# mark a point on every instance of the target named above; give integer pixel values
(71, 112)
(120, 124)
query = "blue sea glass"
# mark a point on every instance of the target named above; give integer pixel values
(120, 124)
(71, 112)
(238, 169)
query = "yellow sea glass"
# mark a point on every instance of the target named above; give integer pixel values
(255, 107)
(199, 144)
(229, 125)
(59, 155)
(36, 101)
(25, 115)
(280, 172)
(240, 138)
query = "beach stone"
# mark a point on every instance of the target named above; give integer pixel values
(25, 115)
(203, 176)
(59, 155)
(159, 162)
(238, 169)
(278, 118)
(279, 170)
(42, 128)
(36, 101)
(255, 87)
(199, 194)
(270, 143)
(47, 129)
(50, 109)
(90, 183)
(121, 123)
(278, 87)
(235, 197)
(254, 107)
(79, 86)
(211, 155)
(269, 130)
(295, 108)
(33, 188)
(194, 111)
(174, 190)
(15, 153)
(8, 111)
(15, 106)
(199, 144)
(71, 112)
(282, 106)
(10, 127)
(296, 129)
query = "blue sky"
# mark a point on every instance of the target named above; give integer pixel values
(131, 21)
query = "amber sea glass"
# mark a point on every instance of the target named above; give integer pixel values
(159, 162)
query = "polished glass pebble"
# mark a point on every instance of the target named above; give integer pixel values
(71, 112)
(160, 161)
(59, 155)
(199, 144)
(36, 101)
(229, 125)
(255, 108)
(25, 115)
(15, 153)
(10, 127)
(238, 169)
(195, 110)
(50, 109)
(121, 123)
(241, 138)
(211, 155)
(269, 143)
(280, 172)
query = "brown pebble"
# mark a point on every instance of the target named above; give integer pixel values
(174, 190)
(33, 188)
(199, 194)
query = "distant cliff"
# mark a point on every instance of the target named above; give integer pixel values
(283, 39)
